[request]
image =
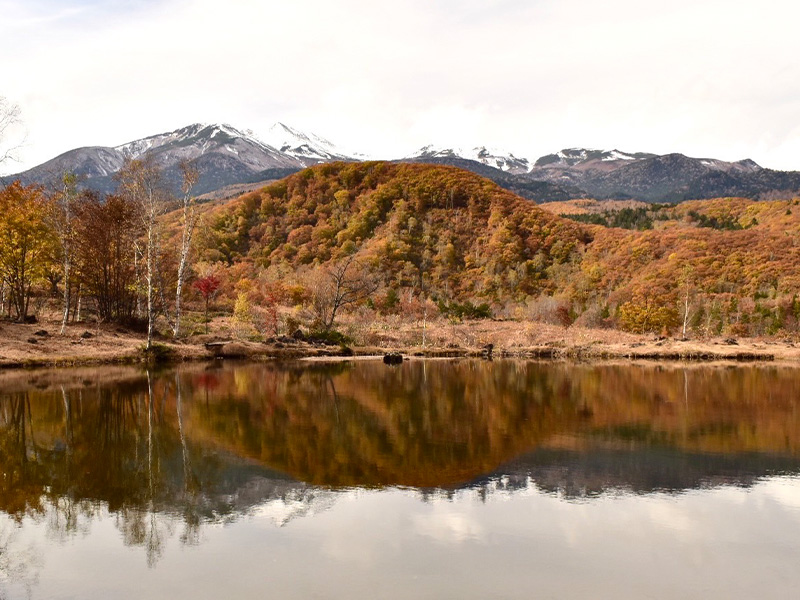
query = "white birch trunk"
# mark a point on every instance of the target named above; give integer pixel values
(190, 176)
(66, 244)
(186, 242)
(151, 243)
(685, 312)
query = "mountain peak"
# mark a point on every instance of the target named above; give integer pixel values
(308, 148)
(572, 157)
(499, 159)
(279, 128)
(225, 154)
(195, 133)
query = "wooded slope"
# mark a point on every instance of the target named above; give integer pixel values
(724, 265)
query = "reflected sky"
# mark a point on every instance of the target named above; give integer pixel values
(729, 542)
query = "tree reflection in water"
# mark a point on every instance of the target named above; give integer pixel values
(165, 452)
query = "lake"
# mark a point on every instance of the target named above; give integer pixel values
(432, 479)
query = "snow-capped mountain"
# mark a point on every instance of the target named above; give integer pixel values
(307, 148)
(645, 176)
(585, 158)
(226, 156)
(599, 173)
(504, 161)
(201, 140)
(193, 137)
(223, 155)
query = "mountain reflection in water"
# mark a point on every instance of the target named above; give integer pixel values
(166, 452)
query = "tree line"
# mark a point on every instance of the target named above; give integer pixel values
(410, 241)
(447, 238)
(109, 251)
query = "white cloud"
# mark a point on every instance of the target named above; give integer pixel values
(705, 78)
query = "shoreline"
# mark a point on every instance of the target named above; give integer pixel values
(81, 348)
(199, 354)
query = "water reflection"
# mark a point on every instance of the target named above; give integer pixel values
(186, 441)
(160, 456)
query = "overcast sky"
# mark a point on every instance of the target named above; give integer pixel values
(703, 77)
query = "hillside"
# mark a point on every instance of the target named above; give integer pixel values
(522, 185)
(449, 235)
(440, 230)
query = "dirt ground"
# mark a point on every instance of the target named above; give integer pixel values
(42, 345)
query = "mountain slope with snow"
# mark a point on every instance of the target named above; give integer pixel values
(585, 158)
(504, 161)
(643, 176)
(307, 148)
(223, 154)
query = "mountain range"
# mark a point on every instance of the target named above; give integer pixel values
(225, 156)
(222, 154)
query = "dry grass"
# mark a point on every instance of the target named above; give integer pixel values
(539, 339)
(110, 344)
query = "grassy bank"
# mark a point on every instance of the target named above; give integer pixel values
(40, 345)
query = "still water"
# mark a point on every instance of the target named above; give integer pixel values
(434, 479)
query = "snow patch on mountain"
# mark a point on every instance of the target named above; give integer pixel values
(591, 158)
(617, 155)
(576, 155)
(499, 159)
(199, 135)
(308, 148)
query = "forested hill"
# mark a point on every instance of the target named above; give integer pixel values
(453, 236)
(440, 230)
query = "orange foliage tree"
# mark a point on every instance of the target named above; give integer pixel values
(26, 243)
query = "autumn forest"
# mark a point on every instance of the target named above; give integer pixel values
(379, 239)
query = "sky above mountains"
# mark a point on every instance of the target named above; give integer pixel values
(702, 77)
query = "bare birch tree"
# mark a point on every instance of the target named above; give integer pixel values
(63, 219)
(140, 181)
(190, 176)
(686, 281)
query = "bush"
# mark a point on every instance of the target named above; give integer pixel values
(158, 353)
(647, 318)
(243, 317)
(594, 317)
(467, 310)
(329, 338)
(565, 315)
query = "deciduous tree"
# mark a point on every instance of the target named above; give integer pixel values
(105, 233)
(344, 283)
(207, 286)
(141, 183)
(26, 242)
(63, 221)
(190, 176)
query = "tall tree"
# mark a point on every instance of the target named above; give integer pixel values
(190, 175)
(63, 217)
(141, 183)
(106, 230)
(26, 242)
